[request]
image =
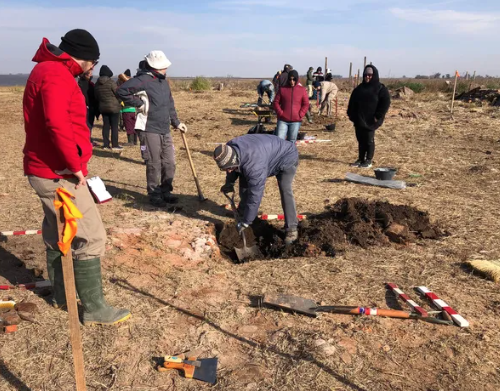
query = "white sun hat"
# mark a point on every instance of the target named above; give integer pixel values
(157, 59)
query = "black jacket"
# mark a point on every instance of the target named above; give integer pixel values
(162, 112)
(369, 103)
(105, 90)
(87, 88)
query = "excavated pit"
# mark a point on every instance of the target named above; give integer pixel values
(349, 220)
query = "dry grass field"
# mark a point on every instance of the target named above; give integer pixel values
(185, 296)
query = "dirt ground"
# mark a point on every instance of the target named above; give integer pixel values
(184, 295)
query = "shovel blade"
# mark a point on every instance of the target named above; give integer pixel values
(291, 303)
(248, 253)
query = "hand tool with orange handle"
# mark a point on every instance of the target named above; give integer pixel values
(181, 359)
(352, 310)
(206, 371)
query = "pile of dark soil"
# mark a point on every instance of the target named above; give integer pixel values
(350, 220)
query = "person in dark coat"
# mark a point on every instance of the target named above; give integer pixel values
(109, 107)
(87, 86)
(149, 92)
(254, 158)
(367, 108)
(283, 79)
(310, 81)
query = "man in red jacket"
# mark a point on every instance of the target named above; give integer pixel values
(56, 154)
(291, 104)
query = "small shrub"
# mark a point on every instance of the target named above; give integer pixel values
(201, 83)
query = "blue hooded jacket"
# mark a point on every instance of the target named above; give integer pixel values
(261, 156)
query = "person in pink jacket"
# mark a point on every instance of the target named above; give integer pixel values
(291, 105)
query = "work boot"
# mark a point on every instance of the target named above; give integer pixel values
(170, 199)
(157, 200)
(135, 138)
(291, 236)
(54, 270)
(129, 142)
(88, 281)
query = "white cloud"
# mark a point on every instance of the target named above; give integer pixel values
(449, 20)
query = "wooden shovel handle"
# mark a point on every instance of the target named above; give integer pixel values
(393, 313)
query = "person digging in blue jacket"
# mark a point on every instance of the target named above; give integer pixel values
(265, 87)
(254, 158)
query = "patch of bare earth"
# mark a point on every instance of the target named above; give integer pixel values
(184, 296)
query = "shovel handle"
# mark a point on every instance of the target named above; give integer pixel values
(363, 311)
(187, 369)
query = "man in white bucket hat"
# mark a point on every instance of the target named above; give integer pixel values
(150, 93)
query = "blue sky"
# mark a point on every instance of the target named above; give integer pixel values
(254, 38)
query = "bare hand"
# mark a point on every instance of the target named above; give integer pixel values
(82, 181)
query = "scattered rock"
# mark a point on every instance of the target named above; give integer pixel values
(397, 233)
(324, 347)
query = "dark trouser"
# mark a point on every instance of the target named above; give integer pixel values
(90, 118)
(110, 121)
(285, 180)
(129, 122)
(157, 150)
(366, 143)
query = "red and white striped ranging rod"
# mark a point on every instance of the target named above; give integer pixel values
(18, 233)
(413, 305)
(30, 285)
(279, 217)
(458, 319)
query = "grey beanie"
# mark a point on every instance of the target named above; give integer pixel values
(225, 157)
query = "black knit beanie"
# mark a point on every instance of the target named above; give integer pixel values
(80, 44)
(127, 73)
(225, 157)
(105, 71)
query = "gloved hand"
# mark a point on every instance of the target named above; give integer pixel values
(182, 127)
(241, 227)
(227, 188)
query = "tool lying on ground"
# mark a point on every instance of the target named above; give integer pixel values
(365, 180)
(29, 285)
(310, 308)
(19, 233)
(413, 305)
(204, 370)
(442, 305)
(245, 253)
(279, 217)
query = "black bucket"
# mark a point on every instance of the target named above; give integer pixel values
(330, 127)
(385, 173)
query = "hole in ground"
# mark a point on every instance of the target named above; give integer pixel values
(352, 220)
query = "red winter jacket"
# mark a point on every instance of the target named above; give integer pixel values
(55, 116)
(291, 103)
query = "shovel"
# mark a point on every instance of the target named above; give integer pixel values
(310, 308)
(245, 253)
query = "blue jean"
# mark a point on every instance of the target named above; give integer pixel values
(287, 130)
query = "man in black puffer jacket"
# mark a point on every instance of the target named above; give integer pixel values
(367, 108)
(149, 92)
(109, 107)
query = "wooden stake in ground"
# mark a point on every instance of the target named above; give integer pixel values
(364, 64)
(357, 81)
(326, 64)
(350, 74)
(454, 90)
(74, 322)
(472, 80)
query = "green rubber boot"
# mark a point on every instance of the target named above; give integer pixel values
(89, 287)
(54, 270)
